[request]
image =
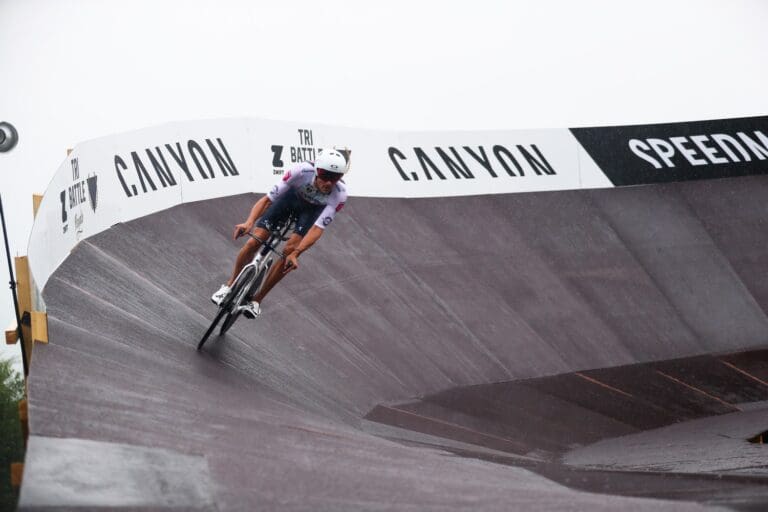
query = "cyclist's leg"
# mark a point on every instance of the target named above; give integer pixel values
(247, 252)
(306, 215)
(276, 272)
(277, 212)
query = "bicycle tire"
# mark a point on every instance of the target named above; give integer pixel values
(228, 304)
(219, 314)
(234, 314)
(229, 321)
(237, 296)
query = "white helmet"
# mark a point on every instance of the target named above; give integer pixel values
(346, 153)
(331, 160)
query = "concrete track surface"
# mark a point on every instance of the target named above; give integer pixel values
(581, 350)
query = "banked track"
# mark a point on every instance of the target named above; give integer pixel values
(400, 301)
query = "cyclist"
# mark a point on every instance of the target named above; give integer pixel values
(313, 192)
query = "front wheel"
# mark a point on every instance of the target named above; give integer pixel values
(240, 298)
(229, 321)
(230, 302)
(219, 314)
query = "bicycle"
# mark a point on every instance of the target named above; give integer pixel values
(250, 278)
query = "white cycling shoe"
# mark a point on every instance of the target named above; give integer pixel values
(250, 309)
(220, 295)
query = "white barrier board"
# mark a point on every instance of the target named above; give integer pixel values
(123, 177)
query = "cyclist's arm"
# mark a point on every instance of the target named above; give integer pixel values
(291, 260)
(258, 209)
(312, 236)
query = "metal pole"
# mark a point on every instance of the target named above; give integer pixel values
(13, 292)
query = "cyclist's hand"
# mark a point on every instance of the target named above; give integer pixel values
(291, 263)
(241, 229)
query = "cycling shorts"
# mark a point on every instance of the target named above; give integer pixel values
(290, 203)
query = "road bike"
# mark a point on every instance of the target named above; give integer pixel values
(250, 278)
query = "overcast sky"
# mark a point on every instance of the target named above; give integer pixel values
(71, 70)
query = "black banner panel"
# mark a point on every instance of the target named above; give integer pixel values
(656, 153)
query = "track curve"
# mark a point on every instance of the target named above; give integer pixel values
(401, 299)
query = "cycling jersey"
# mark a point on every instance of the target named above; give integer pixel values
(301, 179)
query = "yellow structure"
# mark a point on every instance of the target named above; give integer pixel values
(36, 200)
(11, 334)
(24, 293)
(17, 470)
(39, 327)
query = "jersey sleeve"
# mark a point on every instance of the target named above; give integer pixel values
(290, 176)
(334, 206)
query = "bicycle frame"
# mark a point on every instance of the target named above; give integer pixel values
(244, 286)
(276, 236)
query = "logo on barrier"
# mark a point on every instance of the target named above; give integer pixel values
(79, 224)
(63, 198)
(302, 152)
(72, 198)
(92, 191)
(632, 155)
(453, 162)
(167, 160)
(277, 153)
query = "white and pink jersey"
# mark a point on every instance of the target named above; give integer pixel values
(301, 178)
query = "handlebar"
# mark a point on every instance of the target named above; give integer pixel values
(265, 243)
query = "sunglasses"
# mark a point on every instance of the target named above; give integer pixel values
(324, 175)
